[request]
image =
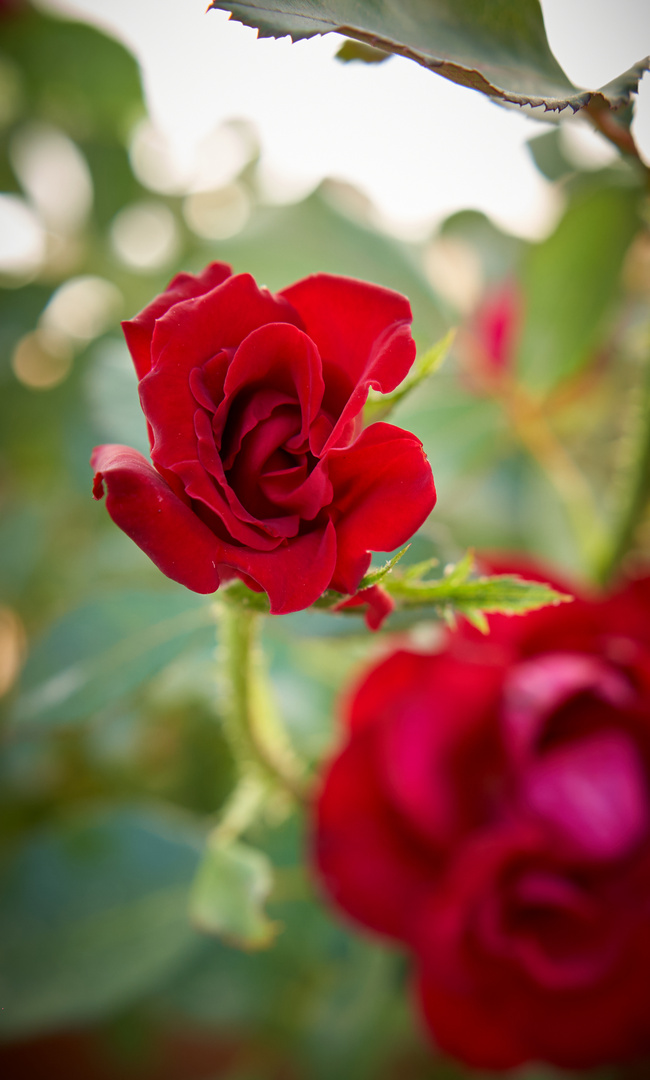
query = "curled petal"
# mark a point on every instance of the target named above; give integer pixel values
(379, 605)
(368, 862)
(161, 524)
(383, 492)
(188, 336)
(278, 356)
(362, 333)
(139, 331)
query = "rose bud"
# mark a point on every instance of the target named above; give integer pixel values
(488, 344)
(490, 810)
(261, 467)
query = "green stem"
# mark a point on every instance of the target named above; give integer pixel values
(637, 493)
(258, 742)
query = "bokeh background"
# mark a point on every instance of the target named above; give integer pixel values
(532, 239)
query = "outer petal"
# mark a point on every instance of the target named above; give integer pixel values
(139, 331)
(439, 755)
(379, 605)
(468, 1028)
(383, 491)
(370, 864)
(362, 332)
(160, 523)
(294, 574)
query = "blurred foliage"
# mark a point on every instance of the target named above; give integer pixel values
(114, 764)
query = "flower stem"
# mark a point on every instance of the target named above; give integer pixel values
(637, 492)
(259, 743)
(531, 427)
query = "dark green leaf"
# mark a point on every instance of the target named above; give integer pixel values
(499, 48)
(570, 281)
(93, 913)
(76, 76)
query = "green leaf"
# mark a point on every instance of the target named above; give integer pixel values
(375, 576)
(458, 593)
(97, 654)
(93, 914)
(358, 50)
(499, 48)
(228, 894)
(74, 74)
(570, 283)
(505, 594)
(378, 406)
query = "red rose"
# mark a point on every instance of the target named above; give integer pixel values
(261, 467)
(491, 810)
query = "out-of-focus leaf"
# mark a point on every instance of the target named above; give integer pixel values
(98, 653)
(570, 284)
(546, 151)
(111, 389)
(228, 895)
(93, 914)
(74, 75)
(498, 48)
(282, 244)
(358, 50)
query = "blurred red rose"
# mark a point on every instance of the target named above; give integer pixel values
(491, 810)
(261, 467)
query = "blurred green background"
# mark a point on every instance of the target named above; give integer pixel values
(113, 762)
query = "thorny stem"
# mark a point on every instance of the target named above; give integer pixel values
(530, 424)
(260, 747)
(637, 493)
(604, 120)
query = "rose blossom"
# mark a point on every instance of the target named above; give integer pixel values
(490, 809)
(261, 467)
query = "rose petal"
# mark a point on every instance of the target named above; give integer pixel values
(363, 335)
(379, 605)
(306, 499)
(536, 688)
(186, 337)
(383, 491)
(593, 791)
(295, 573)
(278, 356)
(160, 523)
(206, 481)
(440, 756)
(139, 331)
(468, 1027)
(368, 862)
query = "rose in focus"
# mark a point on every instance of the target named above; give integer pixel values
(261, 467)
(490, 809)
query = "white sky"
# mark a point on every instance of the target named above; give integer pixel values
(418, 145)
